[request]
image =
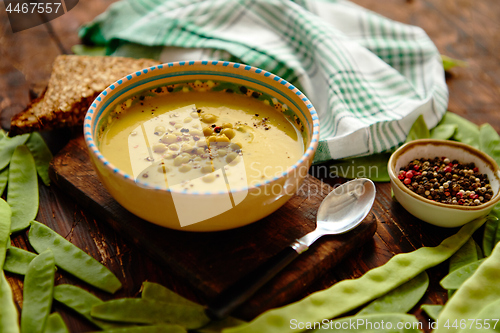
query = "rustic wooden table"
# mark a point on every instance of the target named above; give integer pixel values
(465, 29)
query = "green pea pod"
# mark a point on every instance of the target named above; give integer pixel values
(2, 134)
(373, 167)
(18, 260)
(8, 311)
(22, 195)
(157, 292)
(7, 147)
(4, 177)
(490, 232)
(380, 323)
(432, 310)
(219, 325)
(37, 293)
(489, 141)
(42, 155)
(149, 329)
(490, 315)
(476, 293)
(71, 259)
(55, 324)
(443, 132)
(465, 255)
(455, 279)
(399, 300)
(347, 295)
(143, 311)
(466, 132)
(5, 218)
(81, 301)
(418, 130)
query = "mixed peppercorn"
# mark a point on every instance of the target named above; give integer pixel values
(445, 181)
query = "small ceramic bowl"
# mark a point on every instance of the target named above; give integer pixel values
(436, 213)
(205, 211)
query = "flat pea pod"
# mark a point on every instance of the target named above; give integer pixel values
(22, 195)
(5, 218)
(466, 132)
(489, 315)
(143, 311)
(8, 311)
(157, 292)
(149, 329)
(347, 295)
(7, 147)
(392, 323)
(465, 255)
(4, 177)
(2, 134)
(18, 260)
(42, 155)
(489, 141)
(490, 232)
(432, 310)
(418, 130)
(476, 293)
(443, 132)
(55, 324)
(81, 301)
(71, 259)
(37, 293)
(455, 279)
(219, 325)
(399, 300)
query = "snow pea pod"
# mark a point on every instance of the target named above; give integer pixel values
(432, 310)
(347, 295)
(42, 155)
(143, 311)
(37, 293)
(401, 299)
(22, 195)
(466, 132)
(149, 329)
(7, 147)
(4, 177)
(489, 315)
(71, 259)
(8, 314)
(490, 232)
(489, 141)
(81, 301)
(443, 132)
(465, 255)
(370, 323)
(477, 292)
(455, 279)
(18, 260)
(55, 324)
(5, 218)
(157, 292)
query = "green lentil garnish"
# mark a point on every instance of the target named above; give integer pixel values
(347, 295)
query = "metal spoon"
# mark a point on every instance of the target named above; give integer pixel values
(342, 210)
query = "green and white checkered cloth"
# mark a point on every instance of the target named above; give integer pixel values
(368, 77)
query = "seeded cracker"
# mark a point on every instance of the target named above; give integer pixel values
(74, 83)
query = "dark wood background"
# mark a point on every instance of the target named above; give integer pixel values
(463, 29)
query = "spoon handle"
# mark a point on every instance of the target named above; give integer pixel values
(242, 290)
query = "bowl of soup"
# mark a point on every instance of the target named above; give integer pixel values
(201, 145)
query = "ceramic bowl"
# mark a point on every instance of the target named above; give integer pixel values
(440, 214)
(176, 209)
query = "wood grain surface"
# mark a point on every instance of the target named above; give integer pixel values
(463, 29)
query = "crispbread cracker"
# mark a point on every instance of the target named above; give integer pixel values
(74, 83)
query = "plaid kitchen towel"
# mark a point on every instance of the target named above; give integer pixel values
(368, 77)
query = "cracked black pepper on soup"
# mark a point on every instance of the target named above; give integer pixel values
(447, 181)
(201, 141)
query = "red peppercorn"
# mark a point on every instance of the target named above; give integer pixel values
(416, 167)
(407, 181)
(461, 201)
(476, 169)
(460, 194)
(401, 177)
(447, 169)
(409, 174)
(217, 129)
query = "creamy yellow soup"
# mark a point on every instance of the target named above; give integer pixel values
(201, 141)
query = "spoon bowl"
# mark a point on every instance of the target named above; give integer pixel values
(342, 210)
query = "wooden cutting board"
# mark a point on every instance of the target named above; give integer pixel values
(211, 262)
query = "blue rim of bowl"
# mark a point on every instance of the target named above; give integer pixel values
(266, 76)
